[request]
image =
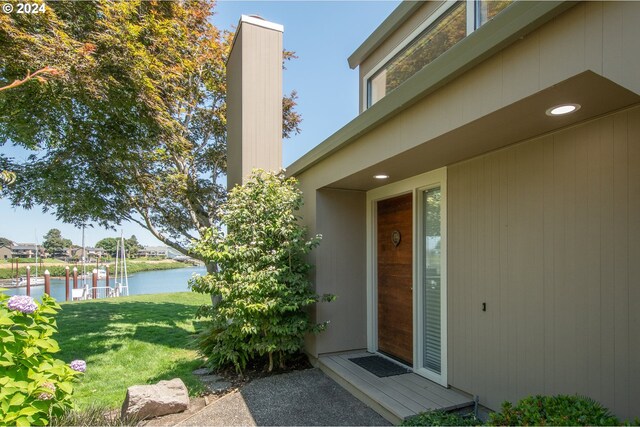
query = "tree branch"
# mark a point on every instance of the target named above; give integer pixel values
(38, 74)
(158, 235)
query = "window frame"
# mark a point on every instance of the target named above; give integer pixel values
(448, 4)
(472, 25)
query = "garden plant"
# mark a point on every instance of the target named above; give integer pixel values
(34, 386)
(261, 278)
(559, 410)
(441, 418)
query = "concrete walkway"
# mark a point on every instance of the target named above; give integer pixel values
(298, 398)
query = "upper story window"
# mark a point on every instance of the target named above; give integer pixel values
(485, 10)
(446, 27)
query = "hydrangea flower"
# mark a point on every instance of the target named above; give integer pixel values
(22, 303)
(78, 365)
(47, 396)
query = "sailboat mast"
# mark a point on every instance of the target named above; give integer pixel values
(35, 236)
(84, 264)
(116, 267)
(124, 265)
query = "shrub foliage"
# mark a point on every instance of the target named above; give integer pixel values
(441, 418)
(261, 275)
(34, 386)
(560, 410)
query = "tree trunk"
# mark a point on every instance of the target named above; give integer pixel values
(270, 362)
(213, 268)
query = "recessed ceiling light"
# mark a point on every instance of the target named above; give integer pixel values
(563, 109)
(381, 176)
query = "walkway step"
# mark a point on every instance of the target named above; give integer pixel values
(396, 397)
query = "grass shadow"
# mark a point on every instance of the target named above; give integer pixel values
(97, 326)
(170, 336)
(127, 341)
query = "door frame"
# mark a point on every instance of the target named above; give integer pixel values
(414, 185)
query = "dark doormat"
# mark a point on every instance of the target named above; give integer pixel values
(379, 366)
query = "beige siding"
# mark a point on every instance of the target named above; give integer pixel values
(547, 233)
(234, 112)
(342, 255)
(254, 78)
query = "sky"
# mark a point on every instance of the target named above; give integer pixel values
(323, 34)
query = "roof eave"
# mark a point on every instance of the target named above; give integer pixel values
(388, 26)
(513, 23)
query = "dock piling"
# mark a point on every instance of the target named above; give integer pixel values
(94, 280)
(47, 282)
(28, 281)
(66, 283)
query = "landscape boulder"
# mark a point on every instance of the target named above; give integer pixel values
(150, 401)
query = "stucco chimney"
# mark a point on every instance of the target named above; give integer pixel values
(254, 99)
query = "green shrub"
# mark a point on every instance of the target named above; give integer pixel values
(262, 279)
(560, 410)
(33, 386)
(441, 418)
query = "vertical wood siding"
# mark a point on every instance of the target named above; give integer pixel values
(254, 78)
(341, 268)
(547, 233)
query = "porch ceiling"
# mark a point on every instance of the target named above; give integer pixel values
(517, 122)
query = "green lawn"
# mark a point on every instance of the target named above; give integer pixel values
(130, 340)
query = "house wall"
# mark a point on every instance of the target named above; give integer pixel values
(342, 256)
(589, 36)
(547, 233)
(5, 252)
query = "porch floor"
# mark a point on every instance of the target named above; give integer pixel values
(396, 397)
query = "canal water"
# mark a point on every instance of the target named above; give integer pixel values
(145, 282)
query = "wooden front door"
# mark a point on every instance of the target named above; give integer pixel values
(395, 281)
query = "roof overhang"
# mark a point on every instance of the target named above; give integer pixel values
(520, 121)
(515, 22)
(384, 30)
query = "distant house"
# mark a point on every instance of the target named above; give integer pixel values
(26, 250)
(63, 253)
(5, 252)
(154, 251)
(91, 254)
